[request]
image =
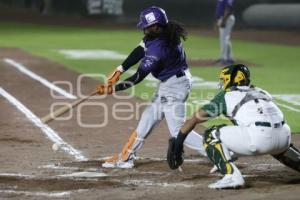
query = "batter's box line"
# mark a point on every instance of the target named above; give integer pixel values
(158, 159)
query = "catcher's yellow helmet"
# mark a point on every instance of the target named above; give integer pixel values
(234, 75)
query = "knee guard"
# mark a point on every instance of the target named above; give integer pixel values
(134, 143)
(290, 158)
(216, 151)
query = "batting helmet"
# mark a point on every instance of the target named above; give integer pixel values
(234, 75)
(152, 15)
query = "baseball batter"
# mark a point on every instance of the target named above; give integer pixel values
(161, 53)
(259, 127)
(225, 22)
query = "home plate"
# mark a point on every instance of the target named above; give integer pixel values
(85, 175)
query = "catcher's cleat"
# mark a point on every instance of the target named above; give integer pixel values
(233, 181)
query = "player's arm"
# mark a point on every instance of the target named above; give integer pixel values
(149, 63)
(136, 78)
(198, 117)
(134, 57)
(214, 108)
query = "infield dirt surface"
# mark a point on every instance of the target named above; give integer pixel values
(31, 170)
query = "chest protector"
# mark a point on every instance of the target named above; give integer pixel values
(251, 94)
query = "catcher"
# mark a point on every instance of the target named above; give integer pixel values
(259, 128)
(161, 53)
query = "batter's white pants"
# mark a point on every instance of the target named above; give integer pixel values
(169, 103)
(256, 140)
(225, 43)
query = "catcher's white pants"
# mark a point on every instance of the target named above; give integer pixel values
(256, 140)
(225, 43)
(169, 103)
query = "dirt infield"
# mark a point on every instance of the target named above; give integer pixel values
(31, 170)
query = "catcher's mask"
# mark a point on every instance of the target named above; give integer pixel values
(234, 75)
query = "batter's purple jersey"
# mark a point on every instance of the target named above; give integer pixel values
(220, 7)
(161, 61)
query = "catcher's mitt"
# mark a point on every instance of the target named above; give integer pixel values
(174, 154)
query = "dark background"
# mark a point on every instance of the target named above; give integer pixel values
(199, 13)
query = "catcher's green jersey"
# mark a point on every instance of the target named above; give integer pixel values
(217, 105)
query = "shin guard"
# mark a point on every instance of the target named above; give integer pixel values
(217, 152)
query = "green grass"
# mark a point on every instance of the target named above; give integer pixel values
(277, 67)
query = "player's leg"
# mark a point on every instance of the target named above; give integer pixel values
(250, 140)
(175, 117)
(282, 139)
(231, 22)
(218, 153)
(290, 157)
(222, 37)
(150, 117)
(254, 140)
(176, 91)
(228, 46)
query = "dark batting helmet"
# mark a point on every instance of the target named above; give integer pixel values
(152, 15)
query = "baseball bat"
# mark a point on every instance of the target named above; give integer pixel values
(53, 115)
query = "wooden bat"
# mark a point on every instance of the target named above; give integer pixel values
(51, 116)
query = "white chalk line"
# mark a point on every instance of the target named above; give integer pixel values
(38, 78)
(158, 159)
(161, 184)
(58, 167)
(293, 99)
(50, 133)
(84, 174)
(16, 175)
(42, 194)
(288, 107)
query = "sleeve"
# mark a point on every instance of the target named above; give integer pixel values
(216, 106)
(132, 80)
(151, 59)
(134, 57)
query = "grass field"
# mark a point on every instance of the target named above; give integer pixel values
(277, 67)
